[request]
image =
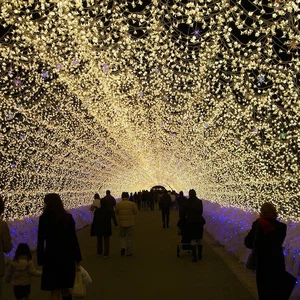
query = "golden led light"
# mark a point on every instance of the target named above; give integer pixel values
(129, 94)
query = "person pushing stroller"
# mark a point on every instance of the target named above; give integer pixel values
(192, 221)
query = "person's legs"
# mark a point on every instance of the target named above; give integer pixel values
(200, 247)
(122, 235)
(193, 246)
(163, 215)
(55, 294)
(106, 246)
(129, 235)
(66, 295)
(167, 217)
(99, 245)
(22, 291)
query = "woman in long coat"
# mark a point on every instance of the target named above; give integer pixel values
(191, 216)
(101, 226)
(57, 248)
(267, 236)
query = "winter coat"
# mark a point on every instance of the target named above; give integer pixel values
(20, 271)
(192, 213)
(101, 225)
(126, 211)
(182, 201)
(270, 258)
(110, 200)
(165, 202)
(5, 244)
(57, 251)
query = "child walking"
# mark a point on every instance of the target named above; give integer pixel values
(20, 271)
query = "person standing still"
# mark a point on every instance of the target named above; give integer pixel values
(126, 210)
(5, 242)
(165, 204)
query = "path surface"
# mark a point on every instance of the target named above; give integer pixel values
(154, 271)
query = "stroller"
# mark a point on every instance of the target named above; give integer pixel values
(185, 243)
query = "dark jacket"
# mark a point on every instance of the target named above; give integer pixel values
(101, 225)
(110, 201)
(270, 258)
(191, 213)
(57, 250)
(165, 202)
(182, 201)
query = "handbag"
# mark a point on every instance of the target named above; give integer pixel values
(252, 258)
(85, 276)
(78, 291)
(251, 261)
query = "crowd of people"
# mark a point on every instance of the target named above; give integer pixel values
(58, 251)
(146, 200)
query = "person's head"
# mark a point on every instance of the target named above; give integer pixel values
(54, 204)
(180, 193)
(268, 210)
(192, 193)
(96, 196)
(125, 195)
(108, 192)
(23, 250)
(1, 206)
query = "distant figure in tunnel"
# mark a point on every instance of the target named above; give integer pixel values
(181, 200)
(126, 210)
(101, 227)
(267, 236)
(191, 214)
(165, 204)
(111, 201)
(5, 242)
(58, 250)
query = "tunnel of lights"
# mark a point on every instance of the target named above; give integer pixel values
(125, 95)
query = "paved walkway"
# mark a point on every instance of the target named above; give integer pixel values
(155, 272)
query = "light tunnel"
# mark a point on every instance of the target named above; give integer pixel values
(125, 95)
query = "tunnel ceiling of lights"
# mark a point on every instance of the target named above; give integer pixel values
(125, 95)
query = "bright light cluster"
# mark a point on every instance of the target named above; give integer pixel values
(124, 95)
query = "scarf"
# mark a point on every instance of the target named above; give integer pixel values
(265, 224)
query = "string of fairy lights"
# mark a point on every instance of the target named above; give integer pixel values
(124, 95)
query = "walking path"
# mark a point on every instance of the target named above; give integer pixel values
(154, 271)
